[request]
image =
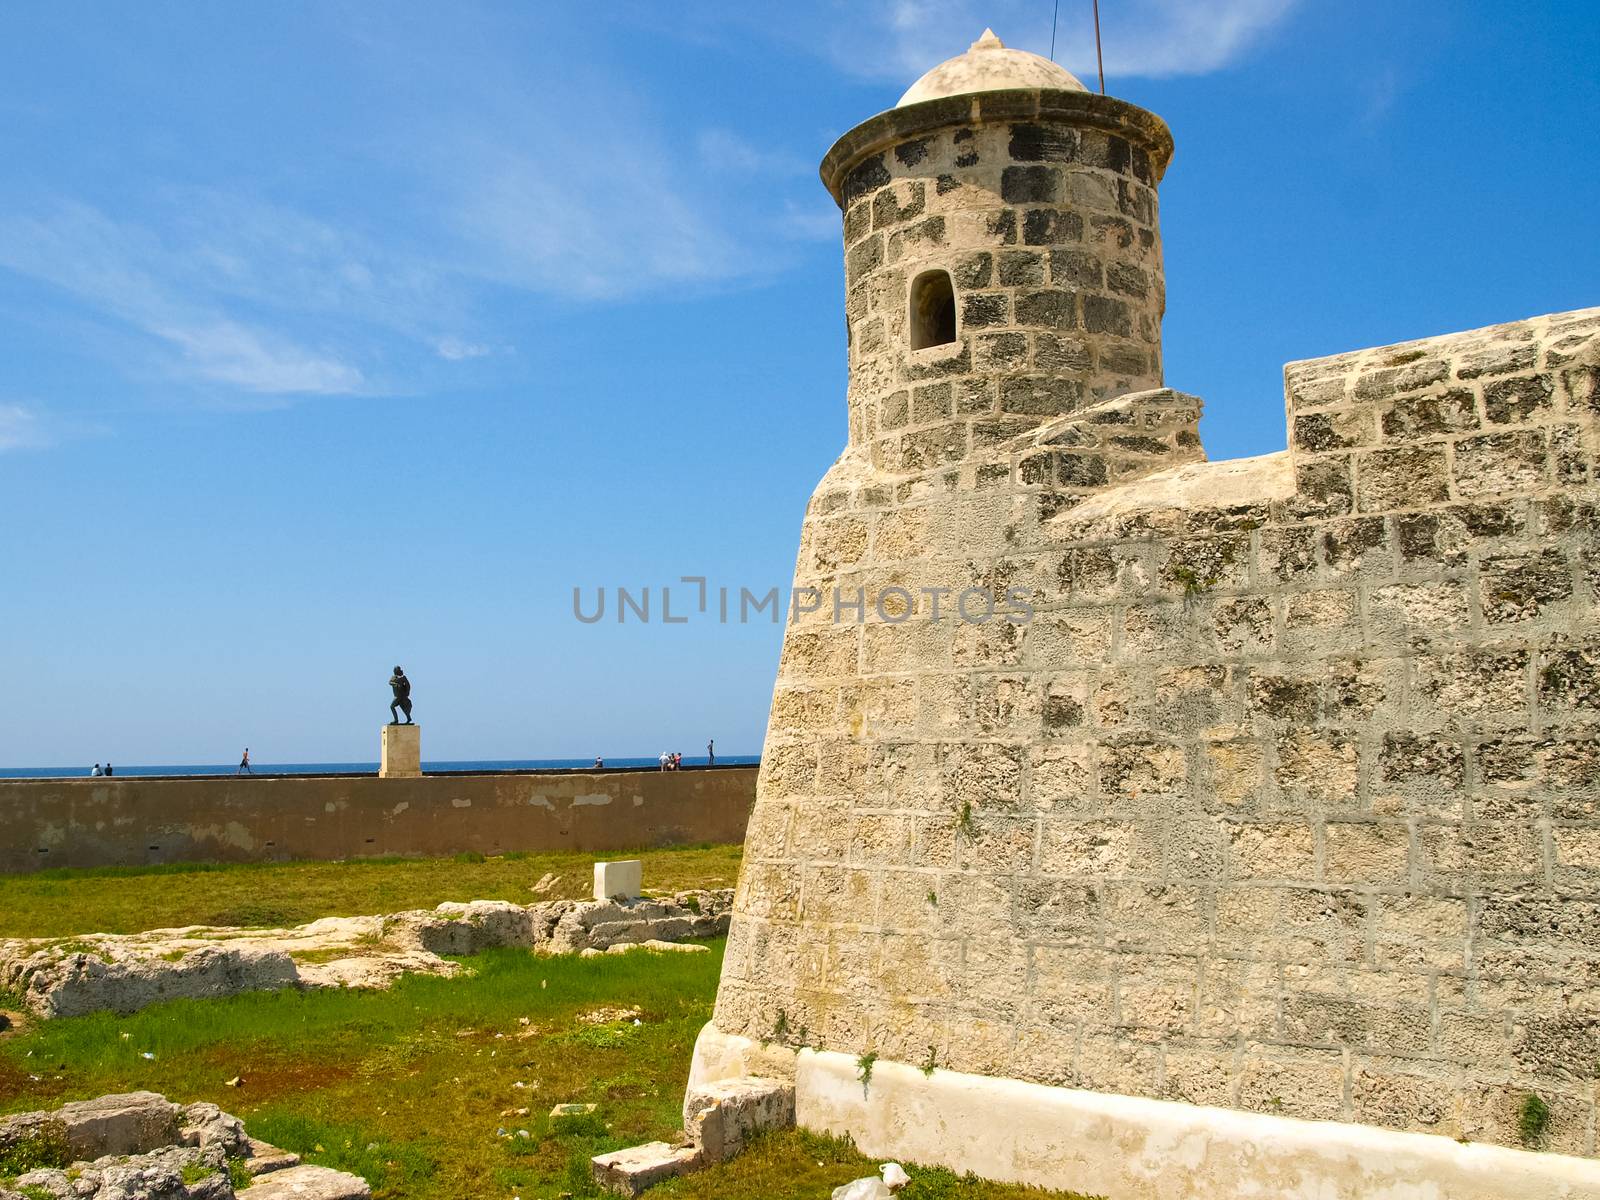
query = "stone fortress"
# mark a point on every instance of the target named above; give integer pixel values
(1265, 858)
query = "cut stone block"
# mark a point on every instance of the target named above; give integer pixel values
(129, 1123)
(401, 756)
(264, 1158)
(629, 1172)
(309, 1183)
(721, 1117)
(206, 1126)
(618, 880)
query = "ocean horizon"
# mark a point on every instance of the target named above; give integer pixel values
(370, 767)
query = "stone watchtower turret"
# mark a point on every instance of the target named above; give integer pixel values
(1002, 256)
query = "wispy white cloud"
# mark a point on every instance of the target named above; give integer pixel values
(264, 298)
(257, 361)
(897, 40)
(561, 220)
(491, 167)
(814, 222)
(1383, 90)
(21, 428)
(722, 150)
(239, 246)
(29, 426)
(1156, 38)
(157, 285)
(454, 349)
(516, 177)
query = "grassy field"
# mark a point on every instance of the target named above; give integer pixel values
(66, 903)
(421, 1088)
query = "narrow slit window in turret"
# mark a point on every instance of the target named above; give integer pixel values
(933, 310)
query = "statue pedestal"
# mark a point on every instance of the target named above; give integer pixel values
(401, 756)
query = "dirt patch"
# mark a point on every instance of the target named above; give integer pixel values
(16, 1082)
(264, 1079)
(14, 1023)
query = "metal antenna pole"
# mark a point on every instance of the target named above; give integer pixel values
(1053, 17)
(1099, 57)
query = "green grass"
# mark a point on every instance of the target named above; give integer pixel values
(796, 1164)
(194, 1172)
(362, 1149)
(407, 1086)
(416, 1087)
(31, 1153)
(1533, 1118)
(66, 903)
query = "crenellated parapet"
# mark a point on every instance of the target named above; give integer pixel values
(1470, 417)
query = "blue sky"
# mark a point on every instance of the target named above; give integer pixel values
(340, 335)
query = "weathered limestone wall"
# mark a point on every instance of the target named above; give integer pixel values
(1287, 799)
(129, 821)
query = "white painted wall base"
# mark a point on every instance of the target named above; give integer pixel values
(1127, 1148)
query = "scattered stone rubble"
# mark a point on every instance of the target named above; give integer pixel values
(141, 1146)
(125, 972)
(719, 1119)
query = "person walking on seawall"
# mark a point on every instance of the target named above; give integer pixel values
(666, 759)
(97, 772)
(711, 753)
(244, 764)
(401, 687)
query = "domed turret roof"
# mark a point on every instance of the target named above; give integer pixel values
(988, 66)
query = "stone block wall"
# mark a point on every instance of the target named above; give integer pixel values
(1286, 795)
(132, 821)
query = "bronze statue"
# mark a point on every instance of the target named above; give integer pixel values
(401, 686)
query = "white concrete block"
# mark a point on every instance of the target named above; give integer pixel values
(618, 880)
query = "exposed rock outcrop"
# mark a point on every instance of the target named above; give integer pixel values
(141, 1146)
(127, 972)
(172, 1173)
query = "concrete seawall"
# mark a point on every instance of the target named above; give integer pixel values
(134, 821)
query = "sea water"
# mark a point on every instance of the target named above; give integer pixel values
(370, 768)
